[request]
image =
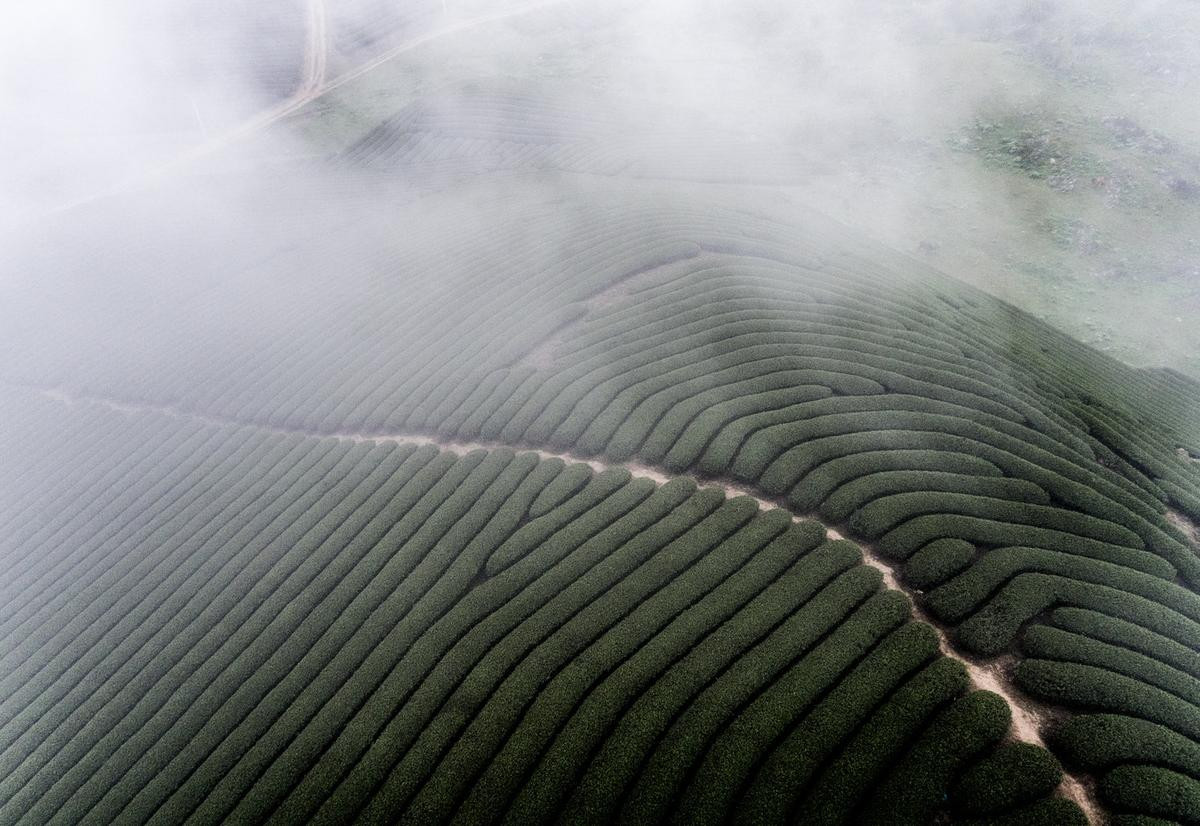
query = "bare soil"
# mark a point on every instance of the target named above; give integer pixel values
(1190, 529)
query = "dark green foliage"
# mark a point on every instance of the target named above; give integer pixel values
(901, 542)
(664, 773)
(858, 494)
(1095, 689)
(680, 437)
(1053, 811)
(917, 786)
(1054, 644)
(655, 681)
(571, 657)
(848, 780)
(1100, 741)
(1129, 635)
(727, 764)
(819, 484)
(563, 486)
(1184, 499)
(994, 626)
(937, 562)
(1011, 776)
(520, 610)
(209, 621)
(885, 513)
(792, 764)
(1140, 820)
(1153, 791)
(962, 595)
(614, 484)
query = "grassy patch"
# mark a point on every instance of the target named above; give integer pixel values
(1029, 144)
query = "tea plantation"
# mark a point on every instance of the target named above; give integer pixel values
(214, 623)
(253, 568)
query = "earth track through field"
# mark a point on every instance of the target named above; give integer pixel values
(1028, 714)
(314, 85)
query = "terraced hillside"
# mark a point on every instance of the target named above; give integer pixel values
(1033, 497)
(219, 622)
(504, 475)
(490, 126)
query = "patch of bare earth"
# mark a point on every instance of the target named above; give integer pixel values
(1189, 528)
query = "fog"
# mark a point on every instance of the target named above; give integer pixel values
(152, 149)
(734, 241)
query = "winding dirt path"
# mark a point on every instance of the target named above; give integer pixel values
(316, 49)
(314, 85)
(1028, 714)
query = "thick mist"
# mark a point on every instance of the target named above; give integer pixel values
(1044, 151)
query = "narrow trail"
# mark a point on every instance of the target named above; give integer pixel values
(316, 50)
(315, 84)
(1028, 714)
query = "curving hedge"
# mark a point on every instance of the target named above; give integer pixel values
(859, 497)
(916, 788)
(1009, 777)
(821, 482)
(1154, 791)
(1048, 812)
(850, 778)
(1049, 643)
(1101, 741)
(774, 788)
(963, 594)
(665, 773)
(1096, 689)
(1128, 634)
(937, 562)
(588, 759)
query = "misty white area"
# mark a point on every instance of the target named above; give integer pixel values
(860, 110)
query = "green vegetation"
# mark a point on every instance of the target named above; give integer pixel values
(937, 562)
(1029, 144)
(1100, 741)
(261, 604)
(1159, 791)
(965, 440)
(1012, 775)
(484, 637)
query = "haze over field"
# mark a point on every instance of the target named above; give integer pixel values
(1046, 151)
(543, 410)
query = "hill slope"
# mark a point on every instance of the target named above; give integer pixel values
(271, 552)
(1028, 492)
(221, 622)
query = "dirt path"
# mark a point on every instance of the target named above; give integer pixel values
(442, 31)
(314, 85)
(1028, 715)
(316, 50)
